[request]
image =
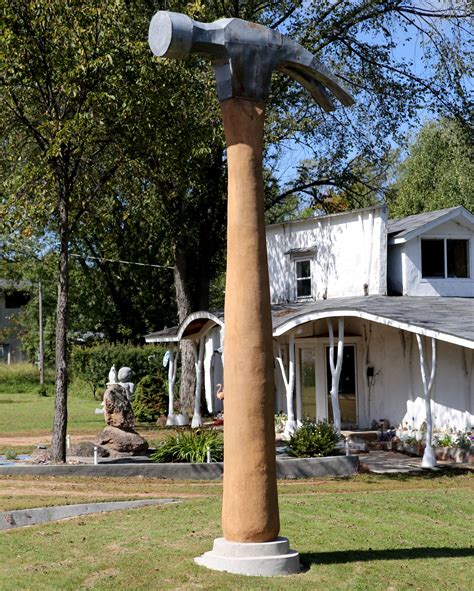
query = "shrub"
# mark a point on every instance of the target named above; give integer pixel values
(444, 440)
(10, 454)
(190, 446)
(93, 364)
(313, 440)
(463, 440)
(150, 399)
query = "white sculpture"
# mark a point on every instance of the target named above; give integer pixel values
(124, 377)
(112, 376)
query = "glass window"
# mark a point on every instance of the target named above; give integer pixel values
(444, 258)
(457, 258)
(432, 258)
(303, 279)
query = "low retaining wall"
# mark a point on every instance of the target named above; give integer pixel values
(287, 468)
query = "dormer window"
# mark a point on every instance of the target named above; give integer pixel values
(303, 278)
(443, 258)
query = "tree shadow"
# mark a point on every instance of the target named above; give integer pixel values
(346, 556)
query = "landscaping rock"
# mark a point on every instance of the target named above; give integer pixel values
(117, 408)
(122, 441)
(85, 449)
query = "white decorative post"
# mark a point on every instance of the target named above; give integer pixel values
(198, 351)
(289, 382)
(172, 365)
(336, 369)
(429, 455)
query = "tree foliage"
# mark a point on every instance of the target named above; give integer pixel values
(438, 171)
(113, 154)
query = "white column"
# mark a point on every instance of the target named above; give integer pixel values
(172, 365)
(429, 456)
(336, 369)
(198, 363)
(289, 382)
(299, 403)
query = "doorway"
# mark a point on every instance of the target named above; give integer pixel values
(308, 383)
(347, 386)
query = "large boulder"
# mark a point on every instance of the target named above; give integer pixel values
(118, 440)
(117, 408)
(120, 437)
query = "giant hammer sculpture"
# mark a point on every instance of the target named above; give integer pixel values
(244, 56)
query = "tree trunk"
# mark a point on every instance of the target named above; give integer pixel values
(58, 443)
(184, 300)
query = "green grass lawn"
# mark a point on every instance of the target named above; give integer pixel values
(23, 412)
(364, 533)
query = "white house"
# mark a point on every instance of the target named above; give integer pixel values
(13, 295)
(390, 299)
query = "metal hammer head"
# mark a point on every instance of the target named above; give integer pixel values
(244, 56)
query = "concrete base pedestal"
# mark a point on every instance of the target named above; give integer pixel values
(429, 458)
(265, 559)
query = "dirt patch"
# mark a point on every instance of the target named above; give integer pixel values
(28, 440)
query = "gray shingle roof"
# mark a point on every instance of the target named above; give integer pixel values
(449, 319)
(403, 226)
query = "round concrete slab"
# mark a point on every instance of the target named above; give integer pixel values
(265, 559)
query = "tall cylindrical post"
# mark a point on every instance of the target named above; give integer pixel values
(250, 504)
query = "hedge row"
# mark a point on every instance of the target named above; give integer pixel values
(92, 364)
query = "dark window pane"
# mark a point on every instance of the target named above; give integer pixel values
(457, 258)
(432, 258)
(303, 288)
(16, 299)
(303, 269)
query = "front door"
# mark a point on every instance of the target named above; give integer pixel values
(347, 386)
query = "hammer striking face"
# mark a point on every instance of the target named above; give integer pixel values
(244, 56)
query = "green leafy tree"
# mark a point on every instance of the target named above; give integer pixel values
(438, 171)
(57, 60)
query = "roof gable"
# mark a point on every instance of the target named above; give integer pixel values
(405, 229)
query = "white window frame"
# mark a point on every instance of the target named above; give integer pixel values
(445, 239)
(297, 279)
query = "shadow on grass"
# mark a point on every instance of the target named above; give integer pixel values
(427, 474)
(345, 556)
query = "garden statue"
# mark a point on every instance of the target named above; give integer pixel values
(124, 377)
(244, 56)
(120, 436)
(112, 376)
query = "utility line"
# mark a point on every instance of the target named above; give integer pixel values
(79, 256)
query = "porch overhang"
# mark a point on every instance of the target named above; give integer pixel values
(446, 319)
(193, 327)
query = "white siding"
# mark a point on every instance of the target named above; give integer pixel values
(350, 251)
(405, 261)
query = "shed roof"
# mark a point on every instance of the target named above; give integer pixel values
(447, 319)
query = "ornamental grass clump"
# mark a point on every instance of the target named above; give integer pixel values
(190, 447)
(314, 440)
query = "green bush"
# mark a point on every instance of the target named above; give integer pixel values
(150, 399)
(93, 364)
(10, 454)
(190, 447)
(314, 440)
(444, 440)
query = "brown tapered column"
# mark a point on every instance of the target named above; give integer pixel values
(250, 505)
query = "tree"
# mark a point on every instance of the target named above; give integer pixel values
(88, 75)
(438, 171)
(56, 61)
